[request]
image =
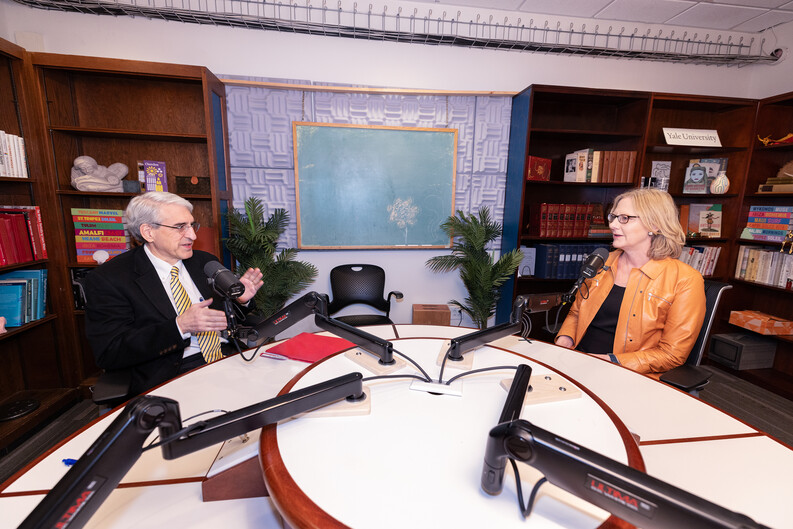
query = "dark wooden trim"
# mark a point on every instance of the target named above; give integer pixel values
(116, 66)
(698, 439)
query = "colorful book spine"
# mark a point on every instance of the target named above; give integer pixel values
(98, 229)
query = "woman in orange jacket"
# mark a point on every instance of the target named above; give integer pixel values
(645, 309)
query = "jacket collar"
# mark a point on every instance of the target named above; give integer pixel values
(651, 269)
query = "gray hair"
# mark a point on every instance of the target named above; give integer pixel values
(145, 209)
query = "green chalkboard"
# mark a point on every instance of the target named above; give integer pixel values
(373, 187)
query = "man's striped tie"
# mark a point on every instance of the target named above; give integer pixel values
(208, 341)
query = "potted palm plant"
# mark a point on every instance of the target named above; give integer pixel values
(481, 276)
(253, 242)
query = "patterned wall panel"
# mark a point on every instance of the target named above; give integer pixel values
(260, 139)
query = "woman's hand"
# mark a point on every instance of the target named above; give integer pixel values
(565, 341)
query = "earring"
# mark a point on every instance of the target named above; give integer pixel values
(650, 233)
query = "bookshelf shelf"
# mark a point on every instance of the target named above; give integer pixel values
(28, 264)
(28, 326)
(762, 285)
(131, 134)
(74, 192)
(51, 401)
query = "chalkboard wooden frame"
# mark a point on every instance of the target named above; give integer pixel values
(373, 187)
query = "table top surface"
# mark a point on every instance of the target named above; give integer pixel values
(417, 454)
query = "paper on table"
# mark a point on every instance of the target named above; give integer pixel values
(308, 347)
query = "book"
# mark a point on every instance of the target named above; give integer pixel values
(710, 221)
(98, 230)
(156, 179)
(581, 165)
(36, 292)
(660, 172)
(12, 301)
(35, 227)
(527, 264)
(538, 168)
(570, 163)
(20, 236)
(694, 216)
(597, 167)
(775, 188)
(696, 179)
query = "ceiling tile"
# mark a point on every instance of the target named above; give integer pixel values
(753, 3)
(765, 21)
(647, 11)
(571, 8)
(715, 16)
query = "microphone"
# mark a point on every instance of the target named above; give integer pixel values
(593, 264)
(223, 281)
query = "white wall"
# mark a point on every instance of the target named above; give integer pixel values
(327, 59)
(235, 51)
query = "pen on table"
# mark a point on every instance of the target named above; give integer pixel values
(274, 356)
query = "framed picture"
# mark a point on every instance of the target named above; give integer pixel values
(373, 187)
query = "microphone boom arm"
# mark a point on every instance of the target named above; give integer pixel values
(627, 493)
(77, 496)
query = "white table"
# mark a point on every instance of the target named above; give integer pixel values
(418, 454)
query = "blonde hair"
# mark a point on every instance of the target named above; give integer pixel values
(658, 213)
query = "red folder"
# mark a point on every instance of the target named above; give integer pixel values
(308, 347)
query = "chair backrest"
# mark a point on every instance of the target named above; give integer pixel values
(358, 283)
(713, 292)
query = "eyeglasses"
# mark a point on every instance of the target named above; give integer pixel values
(183, 227)
(622, 218)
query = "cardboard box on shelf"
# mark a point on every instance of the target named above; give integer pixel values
(760, 322)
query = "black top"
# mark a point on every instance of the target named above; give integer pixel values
(599, 336)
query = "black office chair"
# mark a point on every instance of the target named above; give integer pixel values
(360, 283)
(112, 388)
(690, 376)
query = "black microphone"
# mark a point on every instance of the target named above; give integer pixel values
(223, 280)
(593, 264)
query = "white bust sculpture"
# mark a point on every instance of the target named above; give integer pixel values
(87, 175)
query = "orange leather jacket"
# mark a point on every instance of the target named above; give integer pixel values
(660, 316)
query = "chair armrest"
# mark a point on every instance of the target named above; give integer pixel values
(396, 294)
(686, 377)
(112, 386)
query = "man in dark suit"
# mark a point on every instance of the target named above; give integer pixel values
(138, 316)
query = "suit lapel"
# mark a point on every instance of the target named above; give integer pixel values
(150, 284)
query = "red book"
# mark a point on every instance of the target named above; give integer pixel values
(538, 168)
(554, 228)
(35, 225)
(9, 249)
(568, 220)
(20, 236)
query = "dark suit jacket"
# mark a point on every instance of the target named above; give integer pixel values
(130, 322)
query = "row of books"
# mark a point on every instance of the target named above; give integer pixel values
(768, 223)
(701, 172)
(701, 258)
(21, 235)
(561, 220)
(781, 183)
(766, 266)
(589, 165)
(99, 229)
(557, 261)
(13, 161)
(23, 296)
